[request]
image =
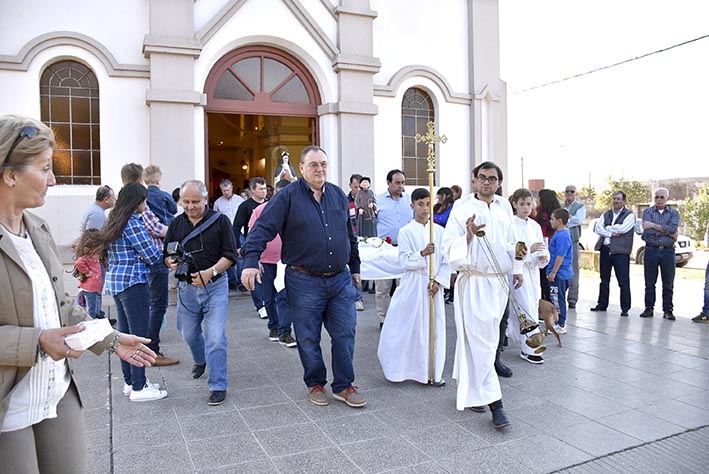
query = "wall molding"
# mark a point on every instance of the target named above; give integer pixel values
(390, 89)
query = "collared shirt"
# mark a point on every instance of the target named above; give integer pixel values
(228, 207)
(577, 214)
(615, 228)
(668, 219)
(129, 257)
(315, 235)
(212, 243)
(392, 215)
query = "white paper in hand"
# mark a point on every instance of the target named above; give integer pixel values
(94, 331)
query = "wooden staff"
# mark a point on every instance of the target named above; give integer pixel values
(431, 139)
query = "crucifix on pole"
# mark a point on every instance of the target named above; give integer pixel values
(431, 139)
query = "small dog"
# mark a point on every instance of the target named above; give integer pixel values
(549, 314)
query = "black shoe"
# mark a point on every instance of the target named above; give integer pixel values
(572, 305)
(478, 409)
(668, 315)
(216, 397)
(273, 334)
(624, 312)
(499, 418)
(647, 313)
(198, 370)
(287, 340)
(243, 288)
(502, 370)
(597, 308)
(112, 322)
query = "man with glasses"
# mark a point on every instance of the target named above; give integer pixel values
(577, 214)
(660, 223)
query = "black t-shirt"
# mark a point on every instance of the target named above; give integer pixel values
(243, 215)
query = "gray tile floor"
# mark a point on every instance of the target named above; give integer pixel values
(617, 383)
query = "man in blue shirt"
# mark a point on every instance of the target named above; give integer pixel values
(312, 218)
(660, 223)
(393, 213)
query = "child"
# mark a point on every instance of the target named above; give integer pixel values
(559, 272)
(88, 263)
(527, 296)
(366, 209)
(403, 343)
(161, 203)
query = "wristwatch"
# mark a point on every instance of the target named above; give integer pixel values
(214, 272)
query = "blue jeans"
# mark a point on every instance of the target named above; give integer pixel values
(314, 302)
(157, 283)
(132, 309)
(621, 264)
(93, 304)
(557, 292)
(279, 316)
(705, 308)
(196, 304)
(358, 294)
(665, 259)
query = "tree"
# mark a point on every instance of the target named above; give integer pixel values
(587, 192)
(635, 192)
(696, 214)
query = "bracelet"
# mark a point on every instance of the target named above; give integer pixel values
(41, 352)
(114, 344)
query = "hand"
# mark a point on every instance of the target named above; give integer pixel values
(428, 250)
(51, 341)
(551, 277)
(357, 279)
(202, 278)
(133, 350)
(517, 280)
(471, 228)
(647, 225)
(170, 263)
(537, 247)
(433, 288)
(249, 277)
(544, 260)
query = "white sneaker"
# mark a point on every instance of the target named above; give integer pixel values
(262, 312)
(532, 358)
(127, 389)
(148, 393)
(359, 306)
(560, 329)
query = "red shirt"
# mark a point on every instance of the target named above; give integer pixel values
(90, 266)
(272, 253)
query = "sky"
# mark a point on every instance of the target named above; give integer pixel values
(644, 120)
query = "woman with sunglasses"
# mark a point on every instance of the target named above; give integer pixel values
(41, 419)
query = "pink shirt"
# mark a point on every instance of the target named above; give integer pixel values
(272, 253)
(90, 265)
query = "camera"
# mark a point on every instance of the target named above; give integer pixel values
(183, 260)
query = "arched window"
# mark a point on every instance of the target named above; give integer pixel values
(69, 102)
(416, 112)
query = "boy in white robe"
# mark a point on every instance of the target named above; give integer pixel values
(404, 341)
(527, 296)
(481, 290)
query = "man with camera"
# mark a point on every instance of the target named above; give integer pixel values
(200, 247)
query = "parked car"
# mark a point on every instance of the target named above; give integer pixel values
(684, 247)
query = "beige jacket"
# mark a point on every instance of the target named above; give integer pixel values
(18, 336)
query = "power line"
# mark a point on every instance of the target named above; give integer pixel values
(609, 66)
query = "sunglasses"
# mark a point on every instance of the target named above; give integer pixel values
(25, 132)
(570, 191)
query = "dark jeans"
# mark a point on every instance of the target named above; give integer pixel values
(93, 304)
(544, 283)
(705, 308)
(621, 265)
(278, 313)
(557, 291)
(664, 259)
(132, 309)
(257, 295)
(157, 284)
(314, 302)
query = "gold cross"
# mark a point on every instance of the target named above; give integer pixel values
(431, 139)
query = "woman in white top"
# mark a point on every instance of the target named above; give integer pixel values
(41, 419)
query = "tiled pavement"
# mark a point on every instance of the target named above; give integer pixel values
(617, 383)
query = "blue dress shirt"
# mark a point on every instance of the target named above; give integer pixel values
(392, 215)
(315, 235)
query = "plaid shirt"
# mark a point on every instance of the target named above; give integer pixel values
(129, 257)
(154, 226)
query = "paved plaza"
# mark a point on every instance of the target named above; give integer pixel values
(620, 393)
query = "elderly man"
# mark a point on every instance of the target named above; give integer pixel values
(95, 215)
(318, 246)
(660, 223)
(577, 214)
(393, 213)
(616, 229)
(481, 299)
(227, 204)
(208, 249)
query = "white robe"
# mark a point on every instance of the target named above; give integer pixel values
(403, 343)
(480, 297)
(527, 296)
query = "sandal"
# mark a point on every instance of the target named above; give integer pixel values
(701, 318)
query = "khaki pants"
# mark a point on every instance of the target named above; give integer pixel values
(56, 445)
(382, 298)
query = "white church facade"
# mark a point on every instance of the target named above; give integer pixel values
(213, 89)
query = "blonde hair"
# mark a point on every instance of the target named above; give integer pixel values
(27, 148)
(151, 175)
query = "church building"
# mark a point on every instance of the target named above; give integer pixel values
(214, 89)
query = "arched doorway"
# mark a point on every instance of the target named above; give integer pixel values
(260, 102)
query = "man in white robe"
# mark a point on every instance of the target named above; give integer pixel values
(481, 290)
(404, 341)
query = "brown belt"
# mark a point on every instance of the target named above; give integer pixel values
(308, 272)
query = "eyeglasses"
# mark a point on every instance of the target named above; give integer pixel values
(660, 197)
(26, 132)
(313, 165)
(569, 191)
(490, 179)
